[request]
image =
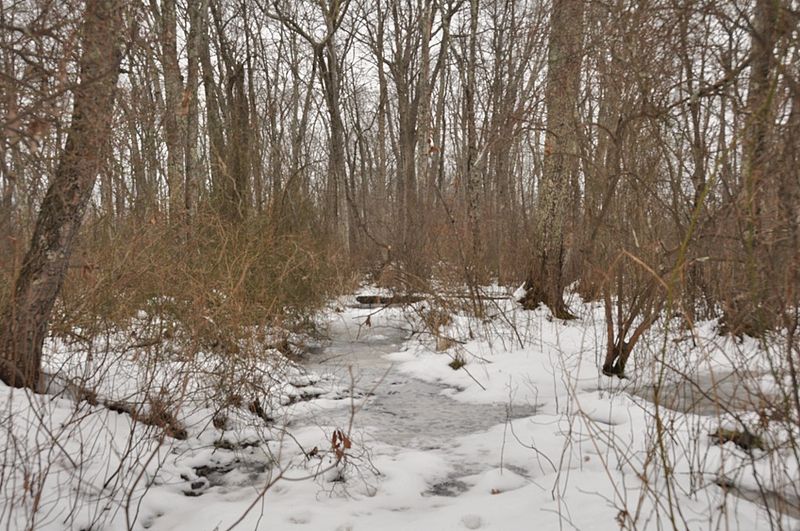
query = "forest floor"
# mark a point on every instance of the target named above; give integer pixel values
(376, 429)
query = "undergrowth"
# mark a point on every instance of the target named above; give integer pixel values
(214, 281)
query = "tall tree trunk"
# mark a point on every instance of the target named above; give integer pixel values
(470, 168)
(25, 319)
(546, 282)
(340, 214)
(236, 188)
(214, 126)
(383, 103)
(255, 141)
(417, 207)
(748, 311)
(9, 176)
(174, 118)
(192, 165)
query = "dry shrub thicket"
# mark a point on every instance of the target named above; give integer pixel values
(264, 155)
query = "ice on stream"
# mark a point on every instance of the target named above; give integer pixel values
(396, 408)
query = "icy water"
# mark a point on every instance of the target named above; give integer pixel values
(391, 407)
(399, 409)
(715, 394)
(708, 394)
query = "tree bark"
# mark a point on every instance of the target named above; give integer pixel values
(174, 117)
(236, 188)
(192, 162)
(214, 125)
(340, 215)
(25, 319)
(751, 312)
(470, 168)
(546, 283)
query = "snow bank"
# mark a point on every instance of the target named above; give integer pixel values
(591, 457)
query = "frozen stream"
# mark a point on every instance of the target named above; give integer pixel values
(398, 409)
(393, 411)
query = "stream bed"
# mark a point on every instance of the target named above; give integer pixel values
(398, 409)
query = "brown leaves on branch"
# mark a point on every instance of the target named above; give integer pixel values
(340, 443)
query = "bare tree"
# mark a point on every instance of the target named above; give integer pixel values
(189, 105)
(748, 311)
(327, 59)
(546, 280)
(174, 114)
(25, 319)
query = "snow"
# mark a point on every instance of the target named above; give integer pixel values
(526, 435)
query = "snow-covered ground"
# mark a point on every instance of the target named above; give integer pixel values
(384, 433)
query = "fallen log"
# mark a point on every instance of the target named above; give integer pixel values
(381, 300)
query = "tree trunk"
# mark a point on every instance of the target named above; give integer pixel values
(25, 320)
(470, 168)
(340, 216)
(192, 163)
(383, 103)
(750, 311)
(546, 283)
(236, 187)
(9, 175)
(174, 118)
(214, 125)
